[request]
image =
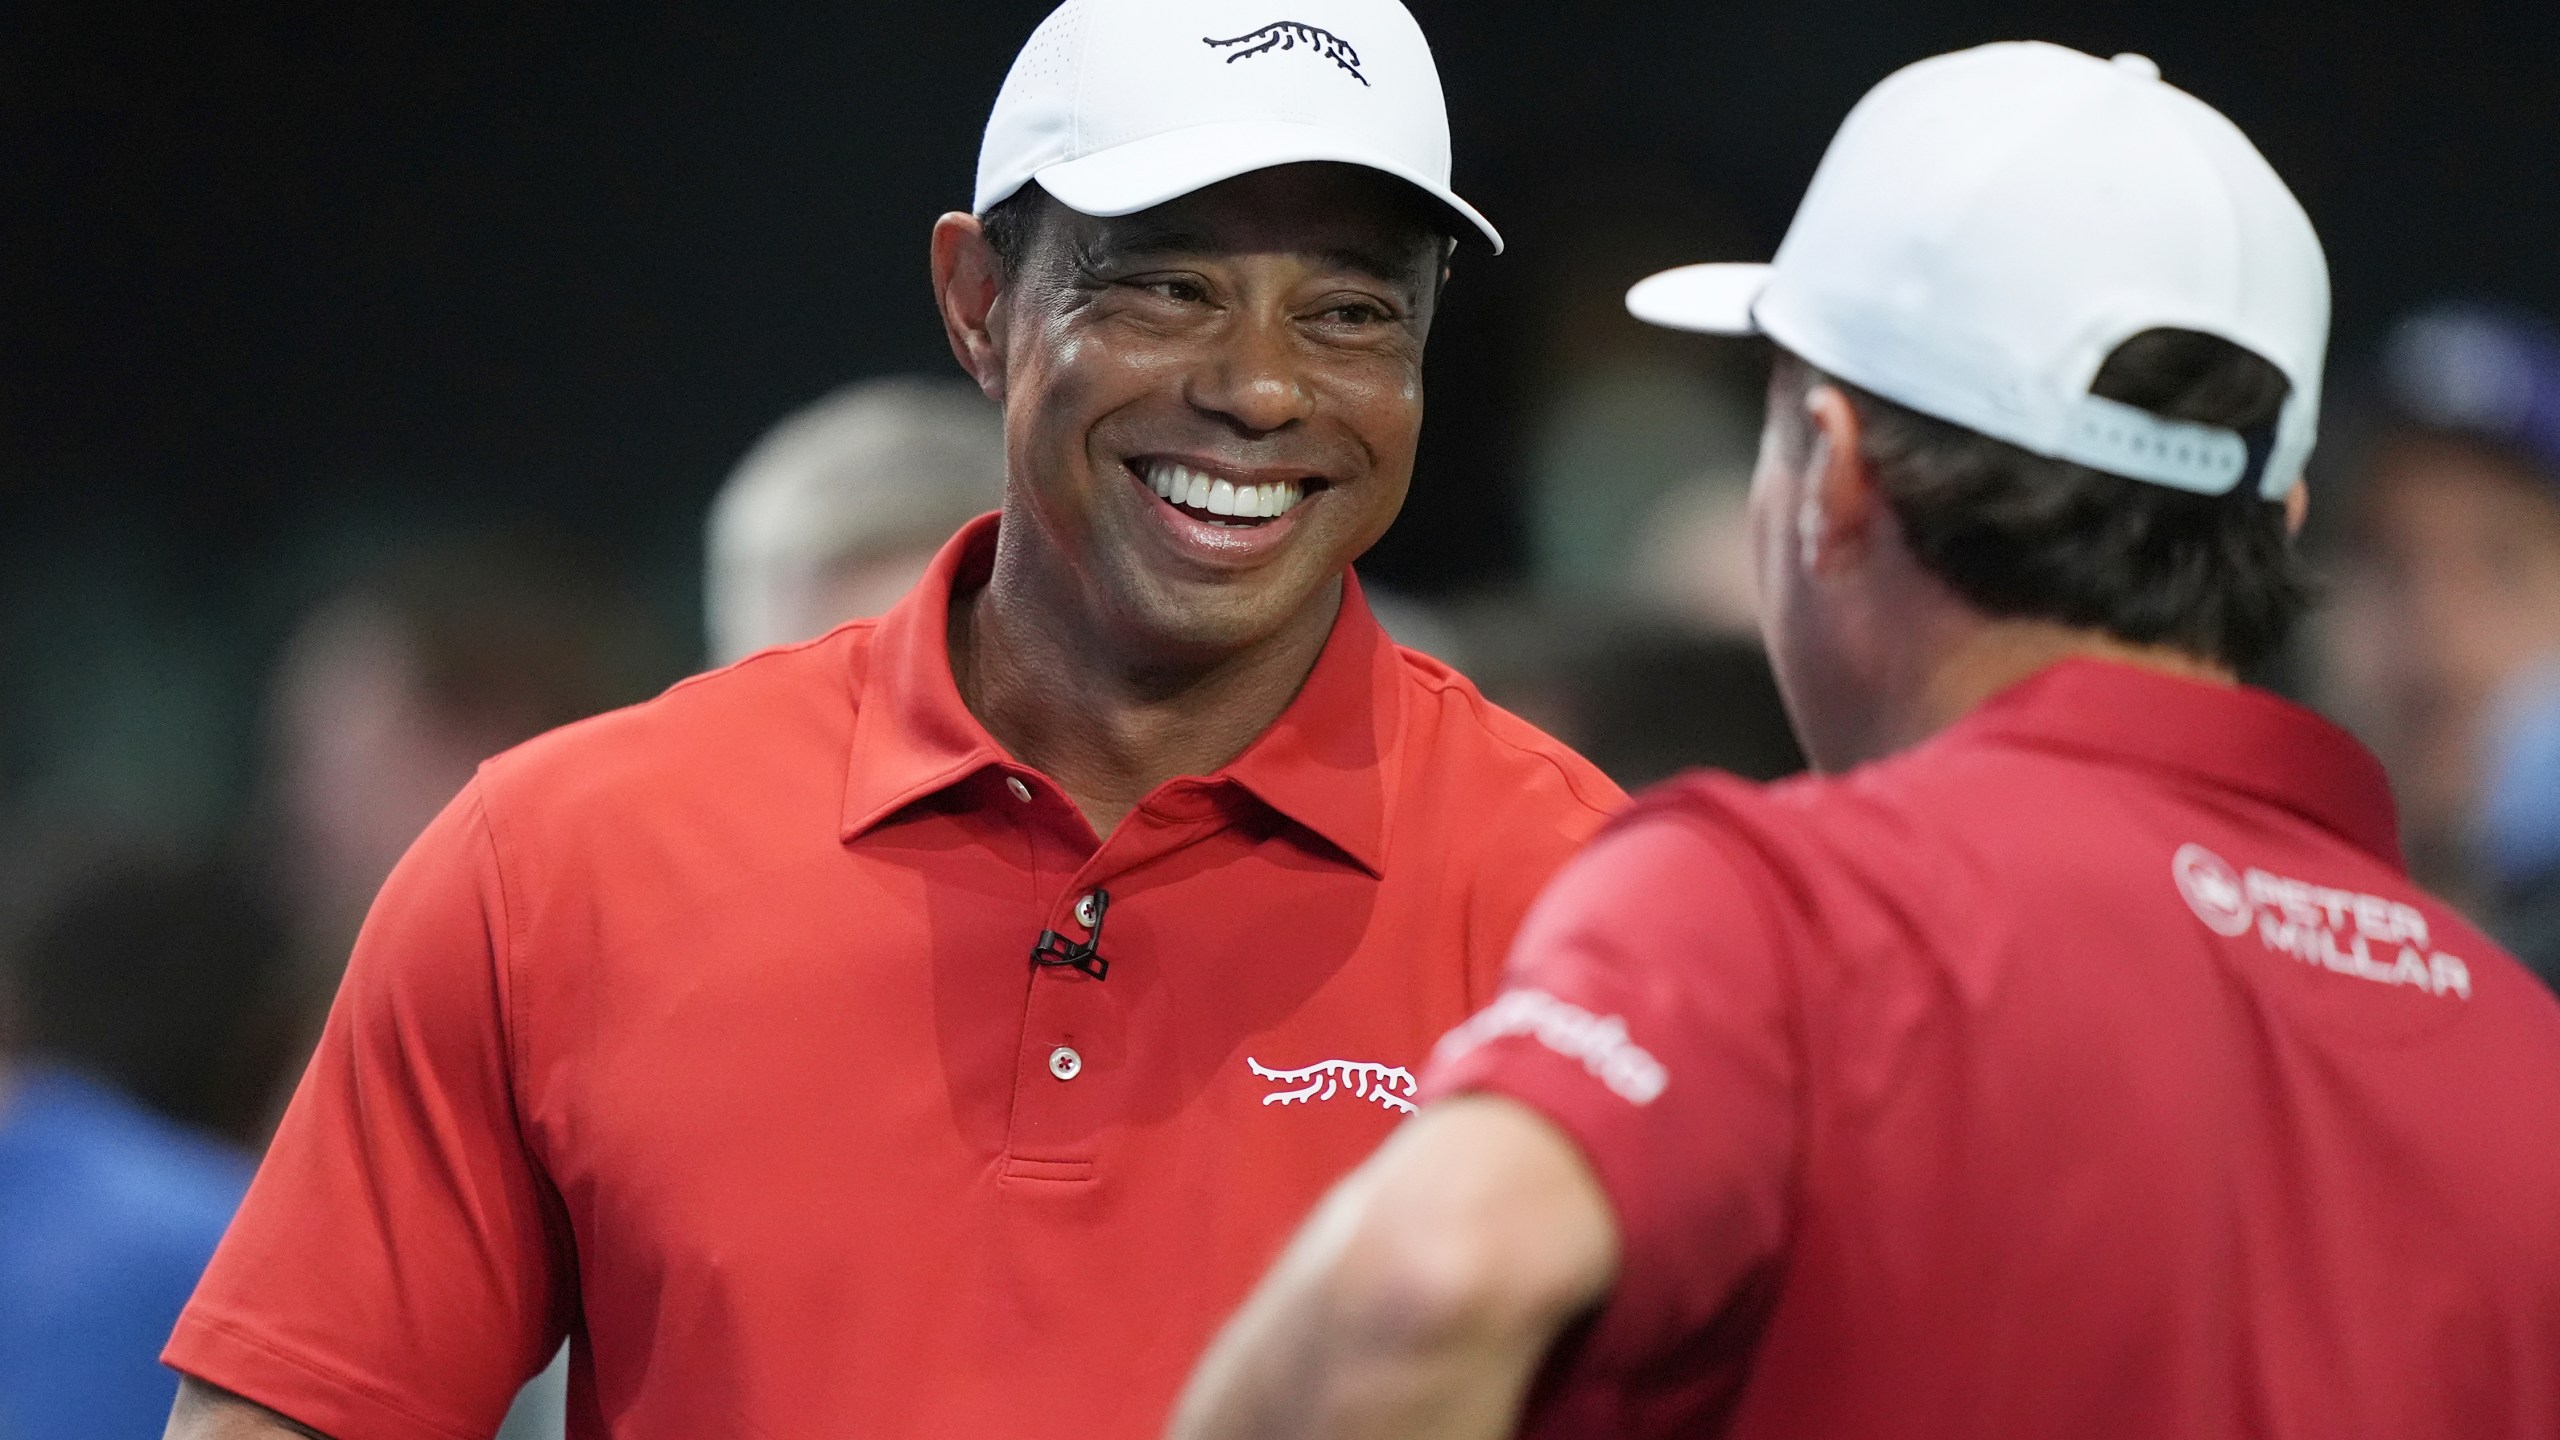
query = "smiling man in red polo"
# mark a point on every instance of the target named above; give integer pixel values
(2076, 1058)
(931, 1030)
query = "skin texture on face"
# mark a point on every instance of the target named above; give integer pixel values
(1266, 332)
(2450, 589)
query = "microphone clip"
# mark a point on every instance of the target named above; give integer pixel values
(1056, 949)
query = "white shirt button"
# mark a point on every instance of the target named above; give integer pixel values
(1020, 791)
(1065, 1063)
(1086, 914)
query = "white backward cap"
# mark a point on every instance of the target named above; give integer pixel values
(1118, 105)
(1988, 226)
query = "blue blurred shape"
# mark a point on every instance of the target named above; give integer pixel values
(2484, 370)
(2520, 823)
(108, 1214)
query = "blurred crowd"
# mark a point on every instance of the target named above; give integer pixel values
(160, 996)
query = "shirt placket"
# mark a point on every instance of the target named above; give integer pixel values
(1079, 1066)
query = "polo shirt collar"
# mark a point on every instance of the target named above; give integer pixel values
(2229, 737)
(1327, 761)
(1323, 763)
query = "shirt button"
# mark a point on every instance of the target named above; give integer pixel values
(1086, 914)
(1065, 1063)
(1020, 791)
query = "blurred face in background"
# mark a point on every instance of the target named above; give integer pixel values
(861, 588)
(364, 758)
(807, 604)
(390, 695)
(2448, 591)
(1211, 406)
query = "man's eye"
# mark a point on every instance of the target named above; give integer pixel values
(1181, 292)
(1358, 312)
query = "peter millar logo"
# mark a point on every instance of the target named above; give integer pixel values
(1289, 35)
(1391, 1086)
(2213, 890)
(2371, 937)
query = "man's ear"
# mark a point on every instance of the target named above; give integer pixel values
(968, 282)
(2297, 508)
(1841, 505)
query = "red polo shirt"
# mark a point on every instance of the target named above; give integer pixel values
(2092, 1070)
(709, 1033)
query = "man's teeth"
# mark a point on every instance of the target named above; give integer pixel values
(1188, 487)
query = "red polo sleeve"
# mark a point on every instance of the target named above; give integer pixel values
(1647, 1013)
(396, 1271)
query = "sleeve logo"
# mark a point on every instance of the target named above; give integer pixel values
(1289, 35)
(2341, 931)
(1599, 1042)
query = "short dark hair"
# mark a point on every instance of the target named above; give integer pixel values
(1009, 224)
(2022, 535)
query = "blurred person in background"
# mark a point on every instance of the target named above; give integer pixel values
(393, 690)
(2520, 821)
(2444, 648)
(1692, 559)
(131, 1068)
(839, 509)
(159, 972)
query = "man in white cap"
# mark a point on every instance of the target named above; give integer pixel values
(932, 1029)
(2074, 1057)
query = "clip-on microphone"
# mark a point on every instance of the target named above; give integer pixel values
(1057, 949)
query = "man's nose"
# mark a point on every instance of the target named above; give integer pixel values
(1253, 377)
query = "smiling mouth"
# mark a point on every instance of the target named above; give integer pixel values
(1219, 501)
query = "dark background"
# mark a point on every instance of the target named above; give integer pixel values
(274, 275)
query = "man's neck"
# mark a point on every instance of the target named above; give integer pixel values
(1108, 724)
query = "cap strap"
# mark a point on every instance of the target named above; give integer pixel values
(2126, 440)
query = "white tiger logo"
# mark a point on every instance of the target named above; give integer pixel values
(1392, 1086)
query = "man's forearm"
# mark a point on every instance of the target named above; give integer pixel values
(1325, 1351)
(204, 1412)
(1421, 1298)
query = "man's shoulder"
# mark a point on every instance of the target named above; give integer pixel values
(1915, 803)
(778, 718)
(1898, 834)
(1455, 734)
(1765, 816)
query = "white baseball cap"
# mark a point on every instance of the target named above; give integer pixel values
(1118, 105)
(1988, 226)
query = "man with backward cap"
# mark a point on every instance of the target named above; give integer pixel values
(932, 1029)
(2073, 1055)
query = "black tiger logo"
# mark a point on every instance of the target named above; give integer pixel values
(1289, 35)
